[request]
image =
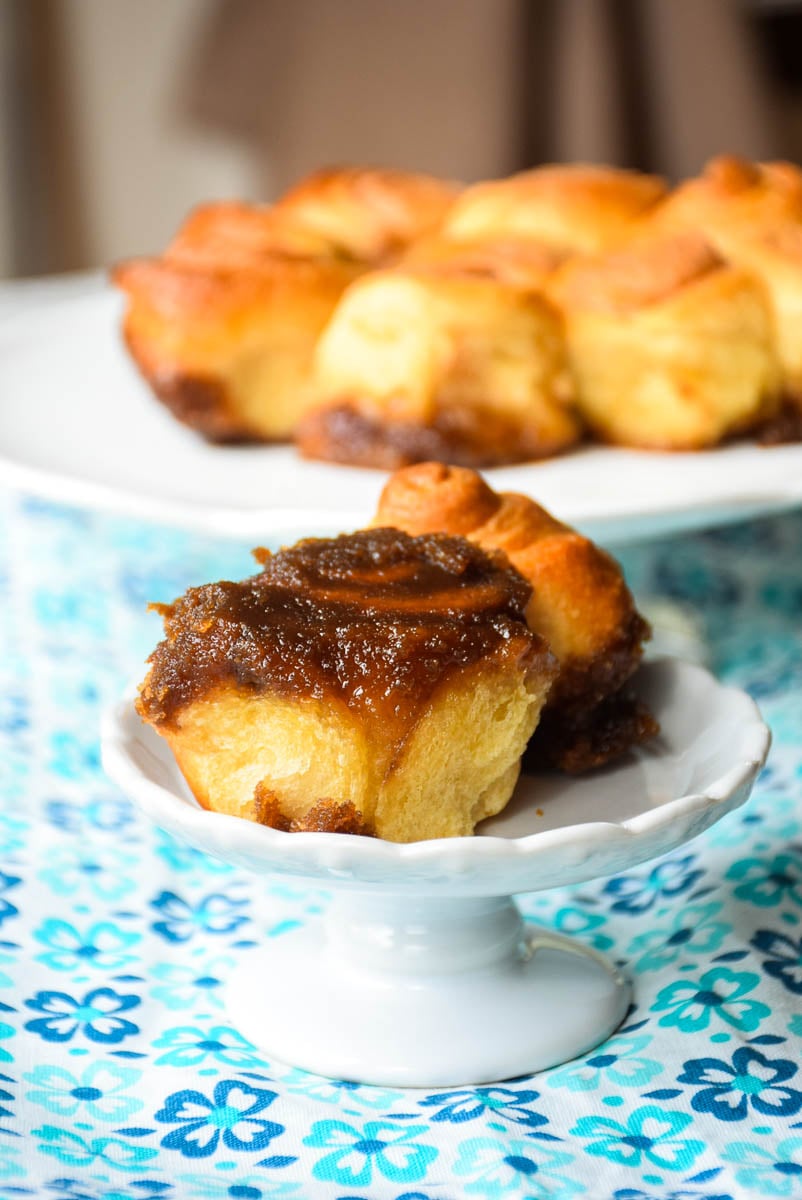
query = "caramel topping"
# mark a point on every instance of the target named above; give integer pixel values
(374, 619)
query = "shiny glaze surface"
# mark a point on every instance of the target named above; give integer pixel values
(374, 619)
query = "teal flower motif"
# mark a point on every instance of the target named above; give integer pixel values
(764, 1171)
(526, 1170)
(188, 1046)
(183, 857)
(6, 1031)
(184, 987)
(651, 1133)
(96, 1092)
(104, 945)
(768, 881)
(12, 831)
(390, 1149)
(691, 930)
(578, 922)
(75, 868)
(617, 1063)
(72, 758)
(338, 1091)
(720, 992)
(69, 1147)
(10, 1165)
(242, 1187)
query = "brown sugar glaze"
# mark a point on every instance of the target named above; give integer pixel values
(374, 619)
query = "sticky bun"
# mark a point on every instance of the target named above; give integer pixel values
(372, 683)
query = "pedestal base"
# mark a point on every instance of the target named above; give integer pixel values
(425, 993)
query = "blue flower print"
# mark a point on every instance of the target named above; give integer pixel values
(683, 576)
(692, 929)
(784, 960)
(188, 1046)
(69, 1147)
(6, 1031)
(182, 987)
(76, 868)
(12, 830)
(682, 1194)
(139, 1189)
(231, 1116)
(339, 1091)
(651, 1133)
(97, 1016)
(14, 713)
(511, 1104)
(183, 857)
(690, 1006)
(391, 1149)
(96, 1092)
(103, 946)
(636, 894)
(767, 1171)
(728, 1090)
(617, 1063)
(244, 1187)
(7, 909)
(215, 913)
(767, 882)
(524, 1170)
(578, 922)
(71, 758)
(110, 814)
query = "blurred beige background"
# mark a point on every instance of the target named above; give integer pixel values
(116, 116)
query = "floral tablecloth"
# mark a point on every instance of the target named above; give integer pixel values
(121, 1076)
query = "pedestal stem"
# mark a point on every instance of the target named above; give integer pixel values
(423, 935)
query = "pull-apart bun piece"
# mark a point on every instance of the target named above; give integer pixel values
(372, 683)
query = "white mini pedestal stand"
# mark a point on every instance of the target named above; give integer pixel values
(425, 992)
(422, 972)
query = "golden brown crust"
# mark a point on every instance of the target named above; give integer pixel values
(469, 437)
(519, 262)
(229, 348)
(671, 348)
(581, 207)
(368, 213)
(734, 198)
(646, 274)
(580, 602)
(414, 364)
(231, 234)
